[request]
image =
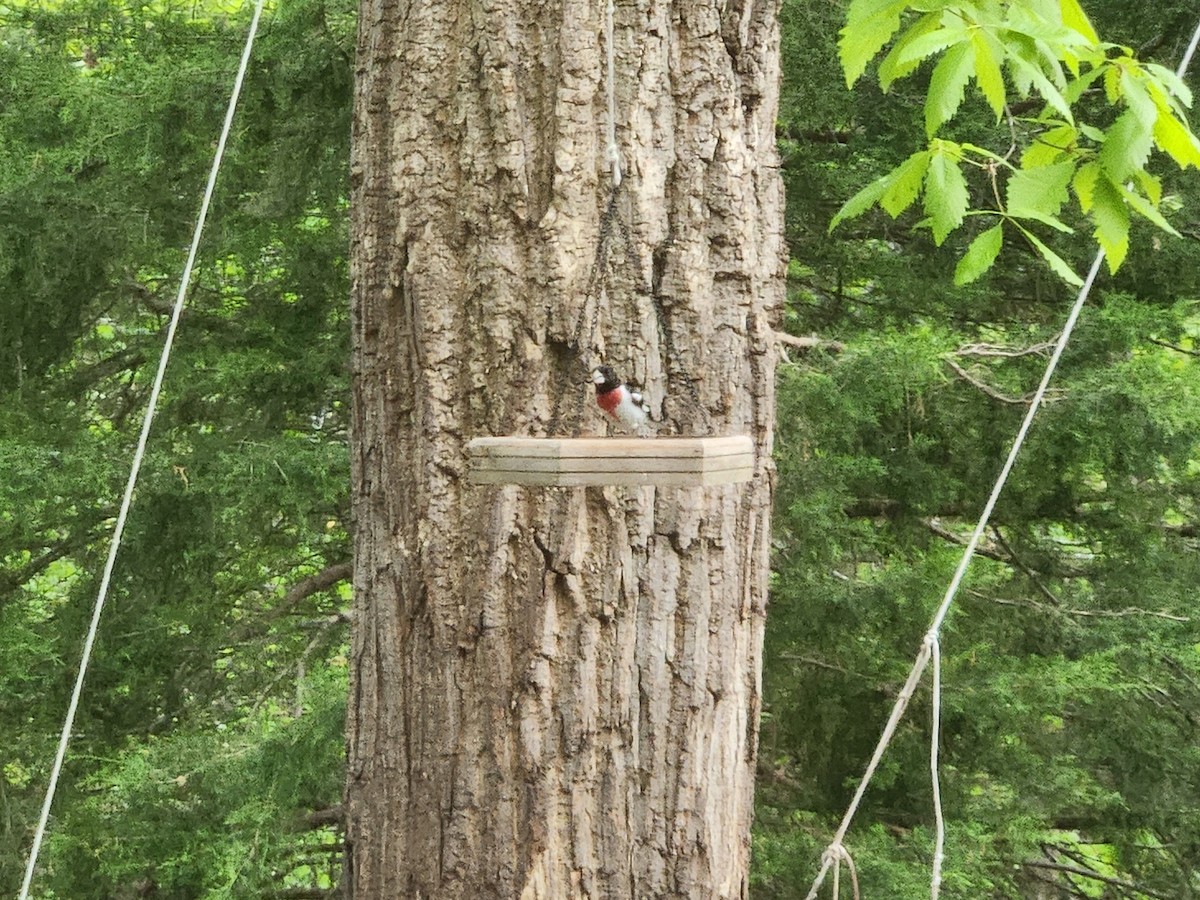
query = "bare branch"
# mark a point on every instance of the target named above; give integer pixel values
(998, 350)
(809, 343)
(936, 527)
(1128, 611)
(330, 815)
(1082, 613)
(991, 391)
(314, 584)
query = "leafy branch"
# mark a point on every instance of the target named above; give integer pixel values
(1022, 49)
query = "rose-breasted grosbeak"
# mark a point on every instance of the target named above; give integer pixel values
(618, 400)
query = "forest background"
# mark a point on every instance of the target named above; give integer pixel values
(208, 758)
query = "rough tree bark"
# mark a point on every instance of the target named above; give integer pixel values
(555, 692)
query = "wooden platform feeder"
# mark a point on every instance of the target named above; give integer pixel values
(575, 462)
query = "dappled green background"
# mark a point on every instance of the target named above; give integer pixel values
(208, 751)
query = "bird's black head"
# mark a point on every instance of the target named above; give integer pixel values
(605, 379)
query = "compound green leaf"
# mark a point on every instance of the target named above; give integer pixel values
(926, 45)
(1138, 99)
(1030, 74)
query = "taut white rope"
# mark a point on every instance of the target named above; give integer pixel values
(611, 151)
(139, 453)
(930, 647)
(939, 842)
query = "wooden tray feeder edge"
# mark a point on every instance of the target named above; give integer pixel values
(580, 462)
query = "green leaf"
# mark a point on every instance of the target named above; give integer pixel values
(1151, 186)
(892, 69)
(945, 195)
(1173, 137)
(1172, 82)
(906, 183)
(870, 24)
(1126, 147)
(1040, 190)
(1049, 147)
(967, 146)
(1080, 84)
(928, 44)
(988, 75)
(947, 85)
(1112, 83)
(1084, 184)
(1111, 216)
(1146, 210)
(1075, 18)
(1051, 221)
(1029, 73)
(1056, 262)
(980, 255)
(862, 201)
(1138, 99)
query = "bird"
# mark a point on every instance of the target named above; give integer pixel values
(623, 404)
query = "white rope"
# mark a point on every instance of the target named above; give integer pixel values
(939, 842)
(612, 152)
(836, 847)
(837, 854)
(930, 647)
(139, 453)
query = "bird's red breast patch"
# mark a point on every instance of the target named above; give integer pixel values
(610, 400)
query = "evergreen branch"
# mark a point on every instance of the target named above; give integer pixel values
(1028, 572)
(12, 580)
(1093, 875)
(937, 528)
(1174, 347)
(124, 361)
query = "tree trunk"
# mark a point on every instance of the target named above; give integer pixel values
(555, 691)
